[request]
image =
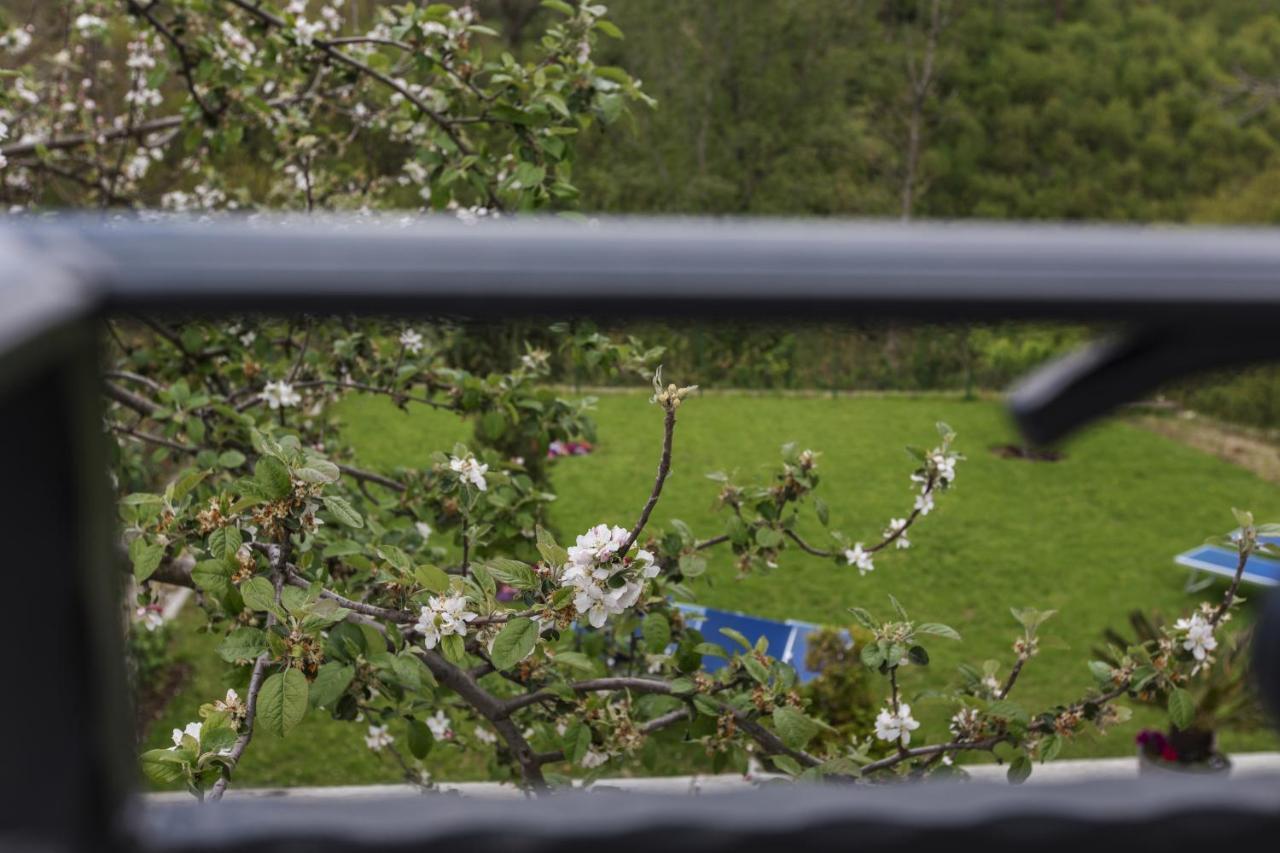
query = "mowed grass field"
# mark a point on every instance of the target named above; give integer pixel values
(1091, 536)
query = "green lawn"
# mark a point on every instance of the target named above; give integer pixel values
(1091, 536)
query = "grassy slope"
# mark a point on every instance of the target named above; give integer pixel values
(1092, 536)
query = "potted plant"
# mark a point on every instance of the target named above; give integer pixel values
(1220, 696)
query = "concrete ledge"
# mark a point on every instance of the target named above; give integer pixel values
(1244, 765)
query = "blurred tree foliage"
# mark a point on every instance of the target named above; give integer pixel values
(1075, 109)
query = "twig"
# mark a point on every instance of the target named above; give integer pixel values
(664, 468)
(255, 682)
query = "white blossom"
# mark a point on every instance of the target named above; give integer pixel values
(149, 616)
(192, 729)
(279, 395)
(377, 739)
(945, 465)
(964, 723)
(534, 359)
(442, 616)
(411, 341)
(856, 556)
(307, 32)
(484, 735)
(895, 526)
(594, 758)
(1199, 638)
(470, 470)
(16, 40)
(89, 24)
(896, 725)
(440, 725)
(924, 503)
(424, 529)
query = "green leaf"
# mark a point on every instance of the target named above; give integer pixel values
(738, 637)
(576, 741)
(1182, 708)
(576, 660)
(863, 618)
(795, 729)
(453, 648)
(332, 680)
(1050, 747)
(691, 565)
(786, 764)
(552, 553)
(657, 633)
(213, 577)
(560, 6)
(514, 643)
(146, 557)
(164, 765)
(938, 630)
(273, 477)
(243, 643)
(431, 577)
(316, 470)
(767, 537)
(225, 542)
(1019, 769)
(282, 701)
(420, 739)
(187, 482)
(755, 669)
(343, 511)
(512, 572)
(258, 594)
(231, 459)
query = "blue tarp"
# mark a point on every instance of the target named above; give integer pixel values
(788, 641)
(1218, 560)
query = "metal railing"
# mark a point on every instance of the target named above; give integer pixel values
(1187, 299)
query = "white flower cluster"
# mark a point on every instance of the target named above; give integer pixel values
(605, 580)
(470, 470)
(279, 395)
(16, 40)
(898, 526)
(236, 48)
(141, 60)
(378, 738)
(411, 341)
(965, 723)
(442, 616)
(89, 25)
(940, 467)
(896, 726)
(857, 556)
(308, 31)
(1197, 636)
